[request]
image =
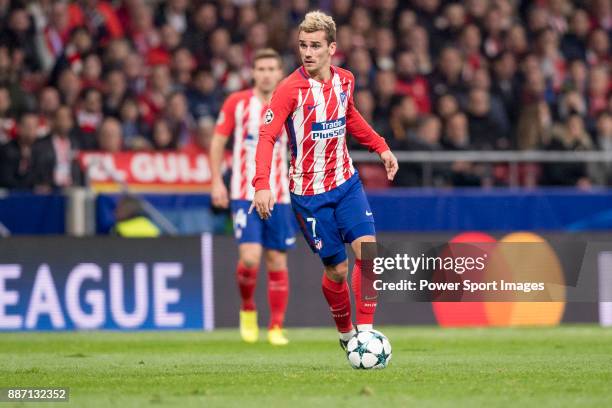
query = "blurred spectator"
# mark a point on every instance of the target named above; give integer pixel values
(574, 42)
(133, 128)
(179, 120)
(20, 34)
(418, 43)
(143, 32)
(203, 97)
(448, 76)
(116, 54)
(360, 64)
(446, 107)
(162, 137)
(602, 14)
(428, 135)
(402, 122)
(17, 169)
(516, 41)
(48, 102)
(69, 85)
(534, 126)
(183, 65)
(55, 35)
(135, 73)
(203, 23)
(506, 84)
(173, 13)
(598, 51)
(115, 92)
(200, 143)
(110, 136)
(54, 156)
(92, 72)
(78, 47)
(599, 89)
(98, 16)
(486, 132)
(577, 76)
(383, 93)
(571, 136)
(456, 135)
(7, 123)
(481, 80)
(602, 172)
(384, 47)
(89, 115)
(410, 82)
(153, 99)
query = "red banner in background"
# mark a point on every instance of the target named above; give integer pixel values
(147, 171)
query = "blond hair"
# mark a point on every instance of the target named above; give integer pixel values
(319, 21)
(267, 53)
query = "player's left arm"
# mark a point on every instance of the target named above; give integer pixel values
(366, 136)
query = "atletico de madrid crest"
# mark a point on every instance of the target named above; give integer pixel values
(318, 243)
(269, 117)
(342, 97)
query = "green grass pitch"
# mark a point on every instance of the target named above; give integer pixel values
(431, 367)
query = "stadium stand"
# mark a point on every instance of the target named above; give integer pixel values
(431, 75)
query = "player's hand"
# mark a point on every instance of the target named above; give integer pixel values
(219, 194)
(263, 203)
(390, 163)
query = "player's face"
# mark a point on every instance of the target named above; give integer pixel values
(267, 73)
(315, 51)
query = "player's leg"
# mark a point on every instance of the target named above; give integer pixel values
(336, 292)
(248, 233)
(278, 238)
(356, 222)
(365, 299)
(315, 216)
(246, 276)
(278, 294)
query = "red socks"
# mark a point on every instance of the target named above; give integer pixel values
(366, 302)
(278, 293)
(247, 278)
(338, 298)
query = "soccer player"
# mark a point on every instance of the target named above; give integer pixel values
(241, 115)
(315, 105)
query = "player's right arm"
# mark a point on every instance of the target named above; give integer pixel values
(281, 106)
(223, 129)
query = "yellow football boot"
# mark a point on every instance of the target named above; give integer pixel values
(249, 331)
(276, 337)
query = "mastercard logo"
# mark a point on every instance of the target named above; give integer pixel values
(513, 263)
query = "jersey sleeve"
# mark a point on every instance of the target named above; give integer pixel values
(226, 121)
(360, 129)
(281, 106)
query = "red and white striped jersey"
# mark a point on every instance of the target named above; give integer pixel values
(316, 117)
(241, 115)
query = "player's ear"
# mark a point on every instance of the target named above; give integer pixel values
(332, 48)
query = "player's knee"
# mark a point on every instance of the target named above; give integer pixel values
(276, 260)
(337, 273)
(356, 244)
(250, 260)
(250, 255)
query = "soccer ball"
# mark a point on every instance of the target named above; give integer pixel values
(369, 349)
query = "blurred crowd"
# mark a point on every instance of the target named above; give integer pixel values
(430, 75)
